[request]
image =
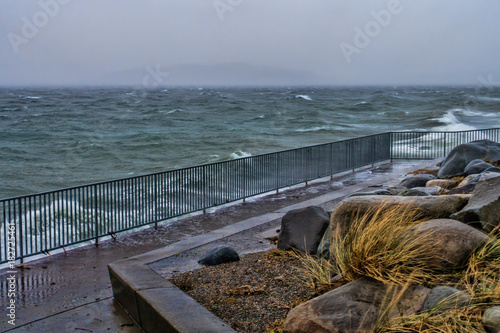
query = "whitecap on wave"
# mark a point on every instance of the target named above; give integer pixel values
(170, 111)
(306, 97)
(239, 154)
(451, 123)
(315, 129)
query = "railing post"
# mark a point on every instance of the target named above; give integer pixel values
(21, 250)
(96, 220)
(391, 146)
(444, 144)
(277, 173)
(204, 189)
(156, 195)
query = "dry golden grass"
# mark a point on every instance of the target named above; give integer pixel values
(382, 245)
(424, 171)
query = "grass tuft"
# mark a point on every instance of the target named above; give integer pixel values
(381, 244)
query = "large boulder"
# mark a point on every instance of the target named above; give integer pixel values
(456, 161)
(302, 229)
(484, 205)
(430, 207)
(451, 241)
(353, 307)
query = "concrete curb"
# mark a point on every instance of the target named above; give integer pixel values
(159, 306)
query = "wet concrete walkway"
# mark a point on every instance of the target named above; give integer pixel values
(71, 292)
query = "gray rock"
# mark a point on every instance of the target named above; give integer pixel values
(429, 190)
(302, 229)
(484, 205)
(443, 183)
(456, 161)
(466, 189)
(353, 307)
(452, 242)
(324, 245)
(417, 180)
(492, 169)
(477, 166)
(446, 297)
(376, 192)
(430, 207)
(470, 179)
(396, 190)
(491, 319)
(219, 255)
(415, 192)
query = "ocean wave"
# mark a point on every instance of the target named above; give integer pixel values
(451, 122)
(306, 97)
(315, 129)
(30, 97)
(476, 113)
(488, 98)
(239, 154)
(170, 111)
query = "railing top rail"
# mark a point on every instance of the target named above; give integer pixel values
(76, 187)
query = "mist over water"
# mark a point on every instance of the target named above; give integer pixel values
(54, 138)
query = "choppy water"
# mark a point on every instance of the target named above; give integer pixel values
(53, 138)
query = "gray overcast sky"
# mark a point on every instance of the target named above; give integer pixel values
(318, 41)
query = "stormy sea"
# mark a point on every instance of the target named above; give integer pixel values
(53, 138)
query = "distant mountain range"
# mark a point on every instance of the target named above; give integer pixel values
(218, 74)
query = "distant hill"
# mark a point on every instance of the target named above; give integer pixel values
(219, 74)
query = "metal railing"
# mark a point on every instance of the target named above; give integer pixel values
(39, 223)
